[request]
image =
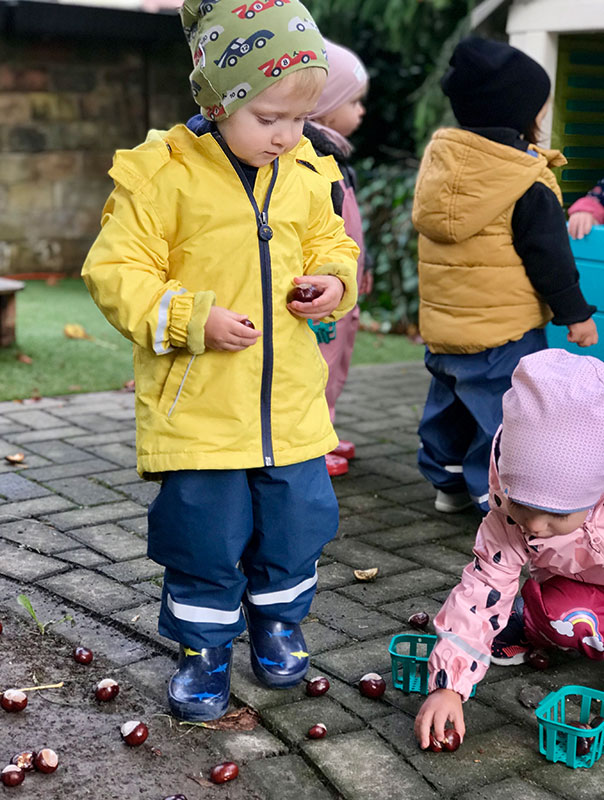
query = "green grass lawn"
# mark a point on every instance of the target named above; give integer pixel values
(60, 365)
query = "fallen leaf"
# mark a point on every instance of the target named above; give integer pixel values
(129, 386)
(241, 719)
(15, 458)
(24, 359)
(75, 387)
(200, 781)
(366, 574)
(74, 331)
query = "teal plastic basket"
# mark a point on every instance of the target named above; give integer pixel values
(409, 654)
(324, 331)
(558, 739)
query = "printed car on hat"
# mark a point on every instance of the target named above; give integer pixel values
(240, 47)
(250, 11)
(299, 24)
(237, 92)
(274, 69)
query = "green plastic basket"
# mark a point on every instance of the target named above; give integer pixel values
(409, 654)
(558, 739)
(324, 331)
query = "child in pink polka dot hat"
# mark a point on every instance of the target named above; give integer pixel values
(546, 510)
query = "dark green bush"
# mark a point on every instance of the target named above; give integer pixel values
(386, 197)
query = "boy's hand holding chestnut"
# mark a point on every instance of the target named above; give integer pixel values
(225, 330)
(332, 290)
(441, 706)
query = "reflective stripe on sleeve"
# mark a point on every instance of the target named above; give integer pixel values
(162, 321)
(467, 648)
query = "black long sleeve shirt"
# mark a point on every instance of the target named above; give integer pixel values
(541, 240)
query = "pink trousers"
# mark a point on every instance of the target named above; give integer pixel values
(565, 613)
(338, 354)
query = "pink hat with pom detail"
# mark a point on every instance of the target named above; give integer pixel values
(552, 441)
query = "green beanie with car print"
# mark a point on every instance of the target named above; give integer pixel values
(240, 49)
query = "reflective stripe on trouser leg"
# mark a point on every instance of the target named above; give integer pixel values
(199, 526)
(290, 532)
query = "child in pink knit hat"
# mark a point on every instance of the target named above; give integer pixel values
(338, 113)
(547, 511)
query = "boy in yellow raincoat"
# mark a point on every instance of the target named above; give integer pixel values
(208, 229)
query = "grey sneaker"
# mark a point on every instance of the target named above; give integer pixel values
(452, 503)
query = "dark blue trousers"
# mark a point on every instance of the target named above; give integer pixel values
(232, 536)
(462, 414)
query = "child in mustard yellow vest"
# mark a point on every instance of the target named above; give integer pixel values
(495, 264)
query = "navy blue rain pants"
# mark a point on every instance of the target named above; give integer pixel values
(232, 536)
(463, 412)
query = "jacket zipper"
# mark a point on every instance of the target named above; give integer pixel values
(265, 234)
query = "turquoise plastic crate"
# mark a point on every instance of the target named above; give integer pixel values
(324, 331)
(558, 739)
(409, 654)
(589, 255)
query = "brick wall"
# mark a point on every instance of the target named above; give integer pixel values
(65, 107)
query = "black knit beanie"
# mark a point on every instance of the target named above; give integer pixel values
(491, 84)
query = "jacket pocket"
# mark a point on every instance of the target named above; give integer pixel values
(174, 383)
(318, 357)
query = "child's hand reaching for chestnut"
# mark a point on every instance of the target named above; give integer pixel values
(441, 706)
(331, 289)
(226, 330)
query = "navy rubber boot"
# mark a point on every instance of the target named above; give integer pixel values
(199, 689)
(277, 651)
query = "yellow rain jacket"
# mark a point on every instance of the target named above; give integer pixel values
(180, 234)
(474, 291)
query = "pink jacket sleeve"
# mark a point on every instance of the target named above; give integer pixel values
(590, 204)
(478, 607)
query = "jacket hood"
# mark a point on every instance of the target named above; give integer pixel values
(466, 181)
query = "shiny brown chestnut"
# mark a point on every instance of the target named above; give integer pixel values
(134, 732)
(538, 659)
(0, 627)
(596, 722)
(419, 620)
(248, 323)
(318, 731)
(82, 655)
(13, 700)
(584, 743)
(221, 773)
(106, 690)
(317, 686)
(372, 685)
(451, 741)
(304, 293)
(24, 760)
(435, 745)
(46, 760)
(12, 775)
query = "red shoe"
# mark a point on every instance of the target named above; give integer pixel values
(344, 449)
(336, 465)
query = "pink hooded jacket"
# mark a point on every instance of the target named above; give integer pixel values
(555, 408)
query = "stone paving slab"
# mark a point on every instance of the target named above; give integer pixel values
(36, 535)
(361, 765)
(91, 590)
(73, 530)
